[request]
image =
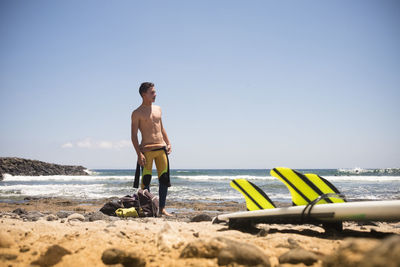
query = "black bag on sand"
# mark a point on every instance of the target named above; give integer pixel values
(125, 202)
(145, 203)
(148, 204)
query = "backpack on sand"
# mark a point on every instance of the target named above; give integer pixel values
(145, 203)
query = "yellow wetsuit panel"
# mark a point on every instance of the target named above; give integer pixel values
(160, 158)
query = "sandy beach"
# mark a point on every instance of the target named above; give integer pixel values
(62, 232)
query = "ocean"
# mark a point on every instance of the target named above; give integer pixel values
(198, 184)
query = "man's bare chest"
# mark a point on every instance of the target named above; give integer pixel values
(150, 118)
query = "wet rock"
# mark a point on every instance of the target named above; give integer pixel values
(20, 211)
(298, 255)
(76, 217)
(62, 214)
(8, 256)
(32, 216)
(6, 240)
(226, 251)
(201, 218)
(96, 216)
(168, 239)
(52, 256)
(51, 217)
(115, 256)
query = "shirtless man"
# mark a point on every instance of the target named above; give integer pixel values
(155, 144)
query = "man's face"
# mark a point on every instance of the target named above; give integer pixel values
(150, 95)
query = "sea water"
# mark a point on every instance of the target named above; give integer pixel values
(198, 184)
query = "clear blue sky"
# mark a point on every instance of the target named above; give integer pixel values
(242, 84)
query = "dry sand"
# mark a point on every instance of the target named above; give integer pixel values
(23, 242)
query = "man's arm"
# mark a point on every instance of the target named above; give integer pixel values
(135, 141)
(165, 137)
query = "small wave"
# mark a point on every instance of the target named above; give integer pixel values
(214, 177)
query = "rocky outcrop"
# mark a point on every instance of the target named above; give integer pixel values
(19, 166)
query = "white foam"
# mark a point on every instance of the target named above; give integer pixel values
(64, 190)
(226, 177)
(10, 178)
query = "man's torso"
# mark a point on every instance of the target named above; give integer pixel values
(150, 126)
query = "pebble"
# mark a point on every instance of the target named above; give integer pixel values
(127, 259)
(227, 251)
(201, 218)
(76, 217)
(63, 214)
(98, 215)
(52, 256)
(298, 255)
(24, 248)
(51, 217)
(8, 256)
(32, 216)
(20, 211)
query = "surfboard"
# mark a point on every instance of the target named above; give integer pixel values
(388, 210)
(315, 200)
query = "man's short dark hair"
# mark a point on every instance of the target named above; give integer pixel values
(144, 87)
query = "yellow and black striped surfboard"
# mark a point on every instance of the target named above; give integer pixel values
(255, 198)
(305, 188)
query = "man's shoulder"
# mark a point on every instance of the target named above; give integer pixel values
(137, 111)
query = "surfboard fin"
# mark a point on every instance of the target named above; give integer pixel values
(305, 188)
(255, 198)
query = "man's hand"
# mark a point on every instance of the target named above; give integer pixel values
(141, 159)
(169, 149)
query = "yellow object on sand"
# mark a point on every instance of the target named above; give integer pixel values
(130, 212)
